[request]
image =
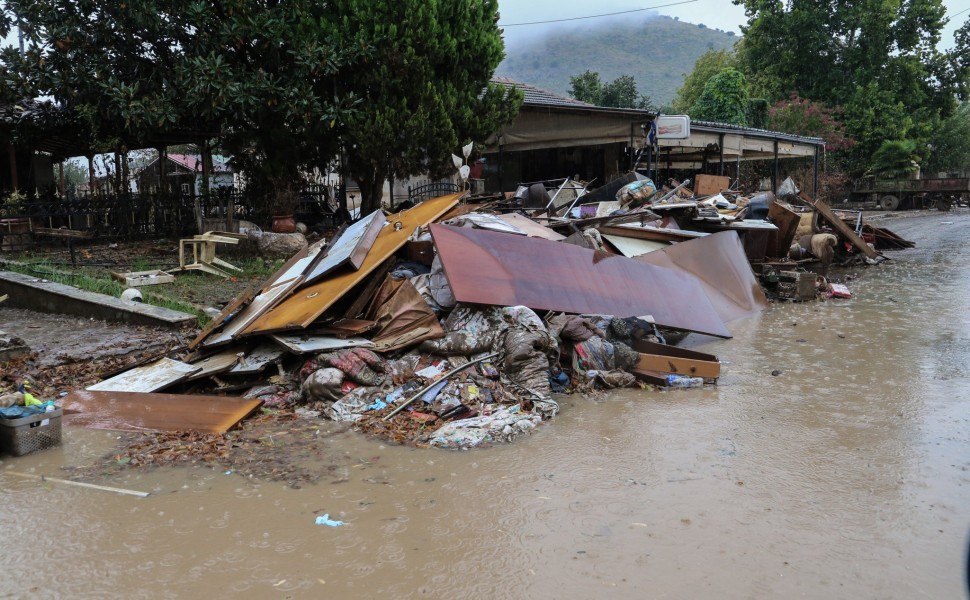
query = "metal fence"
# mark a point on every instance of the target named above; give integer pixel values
(110, 216)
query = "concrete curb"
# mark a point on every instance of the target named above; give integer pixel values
(36, 294)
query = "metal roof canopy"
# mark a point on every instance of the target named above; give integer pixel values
(548, 120)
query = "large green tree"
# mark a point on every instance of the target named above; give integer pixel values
(708, 65)
(259, 73)
(724, 99)
(877, 59)
(426, 89)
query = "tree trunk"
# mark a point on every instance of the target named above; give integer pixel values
(371, 192)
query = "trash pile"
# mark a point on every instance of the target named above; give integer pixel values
(454, 324)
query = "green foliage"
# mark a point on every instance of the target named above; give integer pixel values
(724, 99)
(895, 159)
(708, 65)
(950, 143)
(655, 52)
(425, 86)
(619, 93)
(877, 59)
(586, 87)
(758, 113)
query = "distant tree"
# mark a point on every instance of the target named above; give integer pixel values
(724, 99)
(708, 65)
(619, 93)
(587, 87)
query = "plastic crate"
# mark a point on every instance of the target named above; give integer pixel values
(30, 434)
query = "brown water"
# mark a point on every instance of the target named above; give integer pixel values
(846, 476)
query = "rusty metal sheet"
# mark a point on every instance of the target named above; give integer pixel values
(133, 411)
(149, 378)
(304, 307)
(505, 270)
(718, 261)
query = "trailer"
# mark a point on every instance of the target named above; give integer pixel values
(892, 194)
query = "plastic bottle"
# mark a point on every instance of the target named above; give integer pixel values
(681, 381)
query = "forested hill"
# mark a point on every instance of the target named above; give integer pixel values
(657, 51)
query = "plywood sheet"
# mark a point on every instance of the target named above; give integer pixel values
(149, 378)
(631, 247)
(531, 228)
(258, 307)
(298, 344)
(350, 248)
(304, 307)
(215, 364)
(504, 270)
(131, 411)
(257, 359)
(240, 301)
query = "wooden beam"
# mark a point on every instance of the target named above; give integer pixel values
(832, 219)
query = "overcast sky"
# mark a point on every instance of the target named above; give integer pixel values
(716, 14)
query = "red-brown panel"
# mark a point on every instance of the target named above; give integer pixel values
(485, 267)
(133, 411)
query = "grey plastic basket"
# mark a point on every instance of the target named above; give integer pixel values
(29, 434)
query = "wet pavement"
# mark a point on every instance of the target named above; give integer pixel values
(844, 476)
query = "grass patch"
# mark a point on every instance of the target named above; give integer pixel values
(100, 285)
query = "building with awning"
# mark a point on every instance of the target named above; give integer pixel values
(554, 136)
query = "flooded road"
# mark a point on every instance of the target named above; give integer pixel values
(844, 476)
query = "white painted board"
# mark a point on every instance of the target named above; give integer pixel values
(148, 378)
(299, 344)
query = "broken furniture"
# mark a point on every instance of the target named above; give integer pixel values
(141, 278)
(203, 248)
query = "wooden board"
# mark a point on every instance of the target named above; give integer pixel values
(241, 300)
(680, 361)
(840, 226)
(215, 364)
(130, 411)
(257, 359)
(708, 185)
(531, 228)
(150, 378)
(298, 344)
(140, 278)
(350, 248)
(303, 308)
(787, 221)
(260, 305)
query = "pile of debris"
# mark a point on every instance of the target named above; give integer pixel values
(454, 324)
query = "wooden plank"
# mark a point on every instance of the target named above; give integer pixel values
(350, 248)
(141, 278)
(651, 233)
(708, 185)
(150, 378)
(215, 364)
(298, 344)
(787, 221)
(679, 366)
(257, 359)
(681, 361)
(131, 411)
(260, 305)
(241, 300)
(839, 226)
(304, 307)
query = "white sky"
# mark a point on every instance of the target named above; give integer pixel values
(716, 14)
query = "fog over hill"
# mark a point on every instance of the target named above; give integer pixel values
(658, 51)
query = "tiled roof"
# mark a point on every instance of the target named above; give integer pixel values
(192, 162)
(538, 96)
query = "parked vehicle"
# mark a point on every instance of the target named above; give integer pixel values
(893, 194)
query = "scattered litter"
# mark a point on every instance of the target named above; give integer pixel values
(326, 520)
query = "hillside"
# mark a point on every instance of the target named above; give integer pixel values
(657, 51)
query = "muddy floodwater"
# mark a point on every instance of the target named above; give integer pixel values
(843, 476)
